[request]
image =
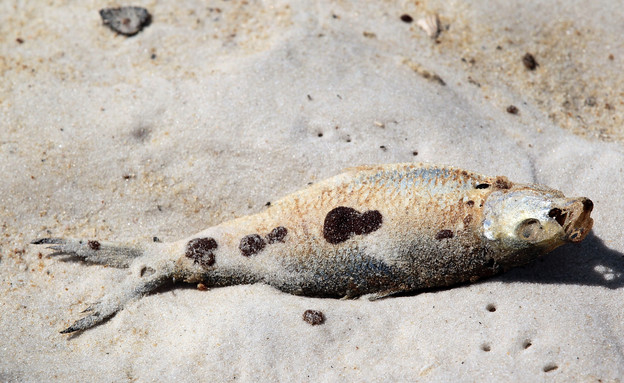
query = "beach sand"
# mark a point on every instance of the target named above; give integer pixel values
(217, 108)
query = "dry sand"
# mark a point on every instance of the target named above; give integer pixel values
(218, 107)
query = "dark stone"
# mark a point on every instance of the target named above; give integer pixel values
(127, 21)
(314, 317)
(406, 18)
(529, 61)
(512, 109)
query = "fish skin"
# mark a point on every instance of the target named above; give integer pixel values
(376, 230)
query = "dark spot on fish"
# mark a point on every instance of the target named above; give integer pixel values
(277, 235)
(502, 183)
(529, 61)
(251, 244)
(443, 234)
(338, 225)
(94, 245)
(470, 203)
(482, 186)
(343, 222)
(368, 222)
(201, 251)
(464, 173)
(467, 219)
(313, 317)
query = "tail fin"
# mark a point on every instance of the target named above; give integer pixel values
(103, 253)
(120, 256)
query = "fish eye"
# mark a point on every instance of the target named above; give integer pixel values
(529, 229)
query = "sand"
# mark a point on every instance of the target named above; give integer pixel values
(216, 108)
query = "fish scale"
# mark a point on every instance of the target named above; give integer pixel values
(372, 230)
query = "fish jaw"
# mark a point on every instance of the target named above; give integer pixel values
(574, 217)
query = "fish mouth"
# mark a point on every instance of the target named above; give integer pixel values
(574, 218)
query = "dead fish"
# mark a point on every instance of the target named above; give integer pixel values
(377, 230)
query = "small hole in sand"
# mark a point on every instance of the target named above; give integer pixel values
(486, 347)
(320, 134)
(527, 343)
(141, 133)
(491, 308)
(550, 367)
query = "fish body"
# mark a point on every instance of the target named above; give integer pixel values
(376, 230)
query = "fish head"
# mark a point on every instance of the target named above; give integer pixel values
(535, 218)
